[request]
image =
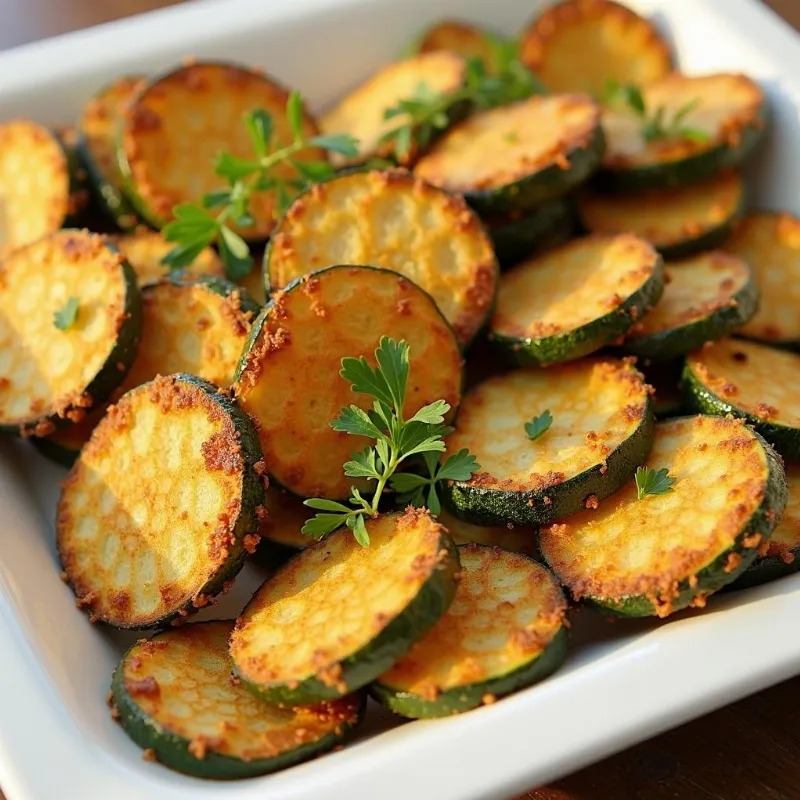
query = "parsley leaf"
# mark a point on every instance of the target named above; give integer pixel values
(539, 425)
(66, 316)
(649, 481)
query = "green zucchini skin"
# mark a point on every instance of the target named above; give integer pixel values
(709, 240)
(670, 344)
(517, 238)
(495, 507)
(547, 184)
(79, 213)
(713, 577)
(764, 570)
(574, 344)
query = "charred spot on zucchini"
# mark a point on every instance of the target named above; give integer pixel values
(288, 376)
(170, 135)
(677, 222)
(601, 431)
(97, 146)
(34, 184)
(579, 45)
(462, 38)
(751, 381)
(361, 112)
(338, 615)
(571, 301)
(159, 510)
(173, 695)
(728, 109)
(770, 243)
(520, 155)
(280, 533)
(502, 598)
(657, 555)
(50, 376)
(401, 223)
(706, 298)
(522, 539)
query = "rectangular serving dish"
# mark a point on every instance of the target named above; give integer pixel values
(621, 684)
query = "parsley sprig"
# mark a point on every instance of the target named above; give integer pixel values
(396, 440)
(651, 481)
(66, 316)
(538, 426)
(198, 226)
(656, 124)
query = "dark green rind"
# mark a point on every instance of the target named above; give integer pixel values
(546, 184)
(764, 570)
(665, 345)
(694, 169)
(219, 286)
(54, 450)
(497, 507)
(79, 213)
(698, 397)
(172, 750)
(589, 338)
(391, 644)
(521, 237)
(713, 577)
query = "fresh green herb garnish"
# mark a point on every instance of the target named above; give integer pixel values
(650, 481)
(66, 316)
(539, 425)
(396, 439)
(196, 227)
(655, 124)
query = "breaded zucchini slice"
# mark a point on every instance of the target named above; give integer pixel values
(173, 695)
(602, 428)
(98, 149)
(780, 554)
(505, 629)
(144, 251)
(580, 45)
(393, 220)
(770, 243)
(752, 381)
(177, 124)
(64, 445)
(338, 615)
(459, 37)
(158, 512)
(518, 156)
(52, 375)
(657, 555)
(79, 209)
(571, 301)
(523, 539)
(706, 298)
(288, 377)
(522, 234)
(361, 112)
(280, 529)
(34, 184)
(677, 222)
(730, 109)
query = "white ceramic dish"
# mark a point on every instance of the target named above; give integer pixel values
(622, 683)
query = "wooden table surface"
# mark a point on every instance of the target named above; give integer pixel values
(747, 751)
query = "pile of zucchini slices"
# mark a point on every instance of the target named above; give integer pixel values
(629, 327)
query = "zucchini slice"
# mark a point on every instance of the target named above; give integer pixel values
(78, 211)
(705, 298)
(573, 300)
(34, 184)
(601, 431)
(288, 377)
(523, 539)
(677, 222)
(518, 156)
(159, 510)
(48, 375)
(338, 615)
(520, 234)
(144, 250)
(752, 381)
(780, 555)
(730, 109)
(173, 695)
(770, 243)
(360, 113)
(280, 529)
(505, 629)
(579, 45)
(462, 38)
(403, 224)
(97, 145)
(657, 555)
(63, 445)
(175, 127)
